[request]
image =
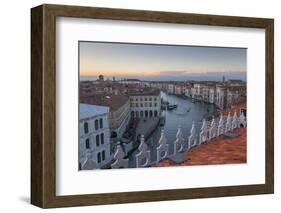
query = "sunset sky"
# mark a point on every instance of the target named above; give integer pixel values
(144, 61)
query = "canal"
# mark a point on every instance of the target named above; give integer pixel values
(183, 116)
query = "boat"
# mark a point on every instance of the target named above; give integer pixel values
(172, 106)
(188, 110)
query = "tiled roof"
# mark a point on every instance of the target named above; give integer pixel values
(87, 110)
(143, 92)
(220, 150)
(113, 102)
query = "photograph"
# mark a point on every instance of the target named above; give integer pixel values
(156, 105)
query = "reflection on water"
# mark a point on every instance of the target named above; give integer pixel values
(182, 116)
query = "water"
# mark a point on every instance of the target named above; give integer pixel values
(180, 117)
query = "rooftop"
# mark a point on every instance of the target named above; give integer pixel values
(220, 150)
(88, 110)
(113, 102)
(130, 79)
(143, 92)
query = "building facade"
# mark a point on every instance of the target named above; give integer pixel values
(212, 95)
(171, 88)
(187, 91)
(235, 94)
(145, 104)
(94, 144)
(119, 119)
(179, 89)
(220, 96)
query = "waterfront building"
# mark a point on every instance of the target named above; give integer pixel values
(119, 116)
(155, 85)
(220, 96)
(179, 89)
(94, 144)
(187, 90)
(212, 94)
(119, 110)
(197, 87)
(145, 103)
(235, 94)
(205, 93)
(171, 88)
(193, 92)
(197, 91)
(164, 86)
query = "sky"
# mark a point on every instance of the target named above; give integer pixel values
(160, 62)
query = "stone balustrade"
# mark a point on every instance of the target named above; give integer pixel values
(208, 131)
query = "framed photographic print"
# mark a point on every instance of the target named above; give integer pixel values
(136, 106)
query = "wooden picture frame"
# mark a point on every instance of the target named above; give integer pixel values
(43, 105)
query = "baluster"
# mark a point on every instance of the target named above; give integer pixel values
(228, 126)
(178, 143)
(204, 132)
(192, 138)
(213, 129)
(162, 149)
(119, 162)
(220, 126)
(89, 164)
(235, 121)
(143, 157)
(242, 120)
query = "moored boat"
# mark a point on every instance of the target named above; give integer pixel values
(171, 106)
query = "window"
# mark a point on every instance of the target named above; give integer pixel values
(136, 99)
(155, 113)
(155, 99)
(87, 141)
(145, 104)
(145, 99)
(137, 105)
(101, 123)
(141, 105)
(97, 140)
(96, 124)
(150, 99)
(146, 113)
(140, 99)
(86, 127)
(103, 155)
(99, 158)
(155, 104)
(150, 104)
(102, 138)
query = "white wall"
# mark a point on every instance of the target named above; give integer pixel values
(15, 104)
